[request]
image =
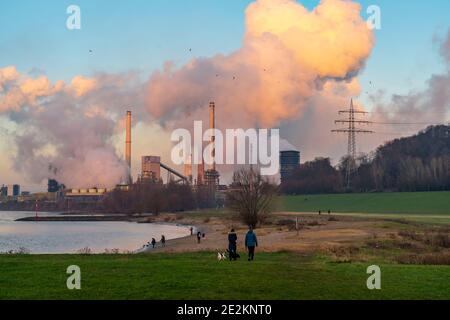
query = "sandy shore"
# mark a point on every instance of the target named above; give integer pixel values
(318, 232)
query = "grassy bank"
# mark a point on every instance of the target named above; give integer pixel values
(437, 203)
(200, 276)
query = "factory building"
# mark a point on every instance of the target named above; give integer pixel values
(91, 195)
(151, 169)
(54, 186)
(289, 160)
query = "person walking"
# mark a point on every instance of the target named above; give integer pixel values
(232, 244)
(163, 240)
(153, 243)
(251, 242)
(199, 237)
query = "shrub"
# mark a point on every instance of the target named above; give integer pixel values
(438, 240)
(437, 258)
(85, 250)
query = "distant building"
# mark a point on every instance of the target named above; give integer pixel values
(3, 191)
(91, 195)
(53, 186)
(13, 190)
(289, 160)
(151, 168)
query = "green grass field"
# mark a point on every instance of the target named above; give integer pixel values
(201, 276)
(433, 203)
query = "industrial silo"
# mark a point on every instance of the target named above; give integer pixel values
(289, 160)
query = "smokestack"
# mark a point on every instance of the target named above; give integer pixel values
(200, 173)
(188, 169)
(212, 125)
(128, 145)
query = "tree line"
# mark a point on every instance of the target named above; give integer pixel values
(156, 198)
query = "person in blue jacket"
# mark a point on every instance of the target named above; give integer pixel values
(251, 242)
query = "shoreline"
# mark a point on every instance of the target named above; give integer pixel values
(317, 232)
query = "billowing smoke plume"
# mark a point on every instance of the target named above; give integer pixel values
(65, 130)
(287, 56)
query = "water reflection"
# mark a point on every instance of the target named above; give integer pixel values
(68, 237)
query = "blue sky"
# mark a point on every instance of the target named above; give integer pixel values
(142, 34)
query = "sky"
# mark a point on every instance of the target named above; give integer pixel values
(141, 35)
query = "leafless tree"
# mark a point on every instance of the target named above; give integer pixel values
(251, 196)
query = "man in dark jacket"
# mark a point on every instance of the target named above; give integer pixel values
(232, 244)
(251, 242)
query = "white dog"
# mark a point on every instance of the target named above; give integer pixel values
(221, 256)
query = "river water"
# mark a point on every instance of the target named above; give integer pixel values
(69, 237)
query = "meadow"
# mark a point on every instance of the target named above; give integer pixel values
(289, 276)
(430, 203)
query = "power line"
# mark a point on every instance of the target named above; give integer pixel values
(404, 123)
(397, 112)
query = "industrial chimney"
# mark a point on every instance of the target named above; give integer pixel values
(211, 175)
(188, 169)
(200, 173)
(128, 145)
(212, 125)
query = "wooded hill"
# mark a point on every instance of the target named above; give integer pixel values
(417, 163)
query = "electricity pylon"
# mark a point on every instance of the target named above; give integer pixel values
(352, 131)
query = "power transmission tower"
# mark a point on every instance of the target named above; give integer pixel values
(352, 131)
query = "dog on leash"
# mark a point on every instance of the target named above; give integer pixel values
(221, 256)
(225, 255)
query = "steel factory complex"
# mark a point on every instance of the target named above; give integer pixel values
(152, 172)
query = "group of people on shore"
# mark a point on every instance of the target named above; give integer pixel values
(251, 242)
(153, 242)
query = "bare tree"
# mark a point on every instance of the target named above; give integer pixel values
(251, 196)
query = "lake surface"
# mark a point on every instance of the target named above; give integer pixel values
(69, 237)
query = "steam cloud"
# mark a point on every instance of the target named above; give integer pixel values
(287, 56)
(65, 130)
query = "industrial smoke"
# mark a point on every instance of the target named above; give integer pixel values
(288, 55)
